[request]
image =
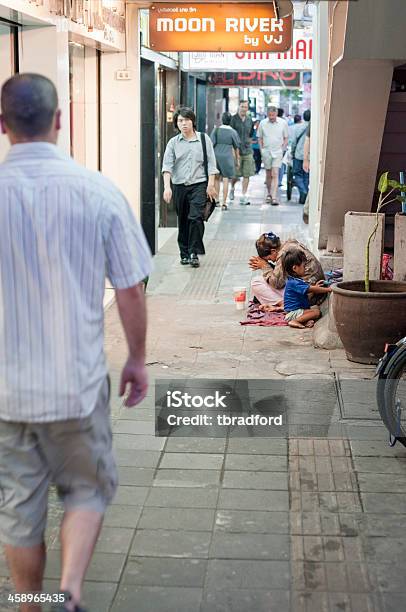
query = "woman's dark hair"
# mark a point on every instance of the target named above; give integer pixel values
(292, 258)
(267, 243)
(297, 118)
(226, 118)
(185, 112)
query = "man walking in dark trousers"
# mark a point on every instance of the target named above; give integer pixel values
(183, 167)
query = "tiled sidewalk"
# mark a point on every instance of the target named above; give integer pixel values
(313, 523)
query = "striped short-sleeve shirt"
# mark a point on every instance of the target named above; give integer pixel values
(63, 228)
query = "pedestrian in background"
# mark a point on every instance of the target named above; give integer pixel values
(301, 177)
(185, 177)
(226, 143)
(255, 147)
(243, 125)
(61, 228)
(282, 169)
(273, 139)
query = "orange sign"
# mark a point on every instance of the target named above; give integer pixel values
(218, 27)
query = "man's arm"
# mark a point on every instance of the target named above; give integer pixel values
(167, 187)
(306, 154)
(212, 168)
(168, 165)
(133, 315)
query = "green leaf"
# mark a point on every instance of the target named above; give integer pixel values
(394, 184)
(401, 198)
(383, 183)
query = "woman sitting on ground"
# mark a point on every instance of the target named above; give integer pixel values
(226, 142)
(269, 288)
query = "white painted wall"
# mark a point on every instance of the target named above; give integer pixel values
(121, 111)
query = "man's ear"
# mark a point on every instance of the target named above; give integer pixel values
(58, 123)
(2, 125)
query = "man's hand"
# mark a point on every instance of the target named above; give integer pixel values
(257, 263)
(134, 374)
(306, 165)
(167, 194)
(211, 192)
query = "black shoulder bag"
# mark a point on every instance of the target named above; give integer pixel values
(210, 204)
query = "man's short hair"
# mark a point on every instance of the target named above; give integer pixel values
(293, 257)
(226, 118)
(28, 104)
(281, 112)
(297, 118)
(242, 102)
(272, 109)
(186, 113)
(306, 115)
(267, 243)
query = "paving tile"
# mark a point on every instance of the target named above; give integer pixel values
(249, 546)
(195, 445)
(136, 458)
(384, 502)
(245, 600)
(380, 484)
(231, 574)
(122, 516)
(373, 448)
(146, 428)
(234, 499)
(258, 446)
(160, 571)
(259, 463)
(161, 543)
(157, 599)
(186, 478)
(380, 465)
(130, 496)
(174, 497)
(277, 481)
(385, 550)
(198, 519)
(388, 577)
(135, 476)
(134, 442)
(248, 521)
(192, 461)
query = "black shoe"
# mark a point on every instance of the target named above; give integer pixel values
(184, 261)
(60, 607)
(194, 260)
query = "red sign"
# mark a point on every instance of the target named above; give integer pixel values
(266, 78)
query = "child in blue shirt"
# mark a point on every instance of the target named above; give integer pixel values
(296, 302)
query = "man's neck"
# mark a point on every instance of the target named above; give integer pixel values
(242, 117)
(189, 136)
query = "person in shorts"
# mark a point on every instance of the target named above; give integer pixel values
(273, 140)
(296, 299)
(242, 123)
(62, 228)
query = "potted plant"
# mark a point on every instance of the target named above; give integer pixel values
(369, 314)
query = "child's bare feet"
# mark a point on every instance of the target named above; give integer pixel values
(296, 325)
(310, 323)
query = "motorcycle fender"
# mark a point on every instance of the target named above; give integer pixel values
(395, 353)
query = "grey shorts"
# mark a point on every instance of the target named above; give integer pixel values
(247, 166)
(75, 455)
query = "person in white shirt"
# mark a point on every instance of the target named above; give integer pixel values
(273, 140)
(62, 229)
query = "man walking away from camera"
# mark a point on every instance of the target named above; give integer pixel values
(61, 228)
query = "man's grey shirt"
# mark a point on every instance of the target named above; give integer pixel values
(244, 129)
(62, 229)
(183, 159)
(299, 137)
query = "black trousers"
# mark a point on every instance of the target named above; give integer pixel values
(189, 202)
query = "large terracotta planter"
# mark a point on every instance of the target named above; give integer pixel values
(367, 321)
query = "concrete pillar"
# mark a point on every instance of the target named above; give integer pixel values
(357, 228)
(399, 266)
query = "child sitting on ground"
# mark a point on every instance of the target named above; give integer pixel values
(299, 313)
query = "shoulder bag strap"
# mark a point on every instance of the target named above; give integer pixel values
(205, 162)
